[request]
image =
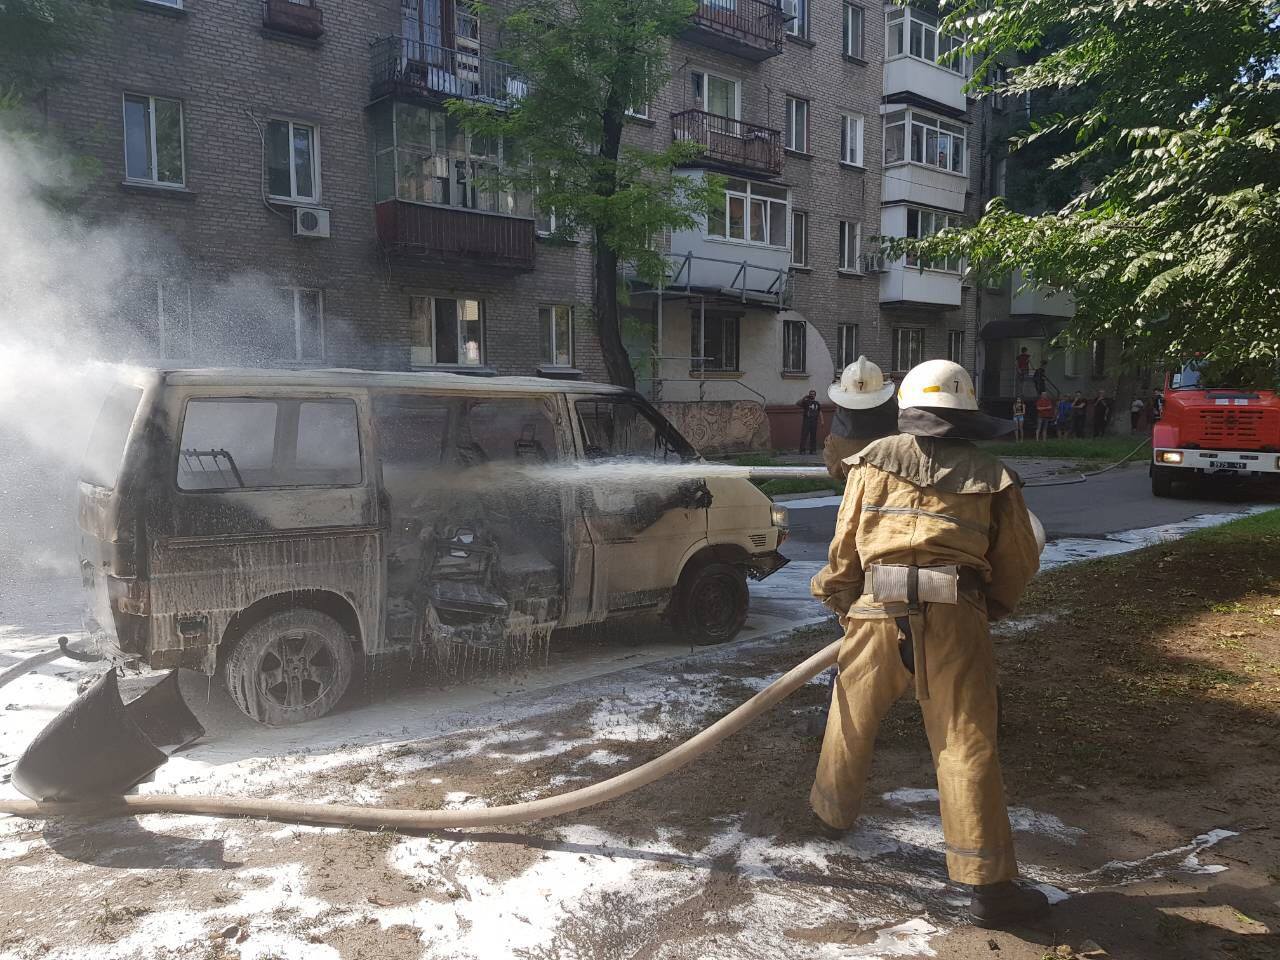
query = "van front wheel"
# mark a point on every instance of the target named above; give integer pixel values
(290, 667)
(712, 602)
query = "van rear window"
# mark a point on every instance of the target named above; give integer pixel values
(102, 457)
(250, 443)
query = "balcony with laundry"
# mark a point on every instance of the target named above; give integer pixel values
(432, 73)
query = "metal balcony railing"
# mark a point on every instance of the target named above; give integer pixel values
(743, 280)
(411, 68)
(729, 142)
(750, 28)
(299, 17)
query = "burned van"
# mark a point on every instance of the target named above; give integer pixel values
(276, 526)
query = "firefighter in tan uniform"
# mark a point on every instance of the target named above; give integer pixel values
(865, 410)
(933, 540)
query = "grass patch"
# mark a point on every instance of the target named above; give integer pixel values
(1104, 449)
(1259, 526)
(797, 485)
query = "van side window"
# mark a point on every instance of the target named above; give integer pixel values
(622, 429)
(243, 444)
(411, 429)
(506, 429)
(102, 457)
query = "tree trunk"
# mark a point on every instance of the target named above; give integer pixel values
(617, 363)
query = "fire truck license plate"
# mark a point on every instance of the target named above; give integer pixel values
(1229, 465)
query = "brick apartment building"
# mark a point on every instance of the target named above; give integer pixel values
(301, 197)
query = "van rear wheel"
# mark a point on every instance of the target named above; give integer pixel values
(290, 667)
(712, 602)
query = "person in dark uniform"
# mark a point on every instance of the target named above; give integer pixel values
(810, 420)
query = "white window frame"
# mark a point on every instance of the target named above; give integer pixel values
(460, 321)
(787, 328)
(846, 332)
(929, 222)
(798, 25)
(852, 126)
(151, 99)
(916, 128)
(897, 40)
(293, 195)
(295, 294)
(174, 4)
(850, 248)
(802, 241)
(955, 346)
(706, 73)
(746, 194)
(907, 335)
(793, 108)
(849, 10)
(550, 319)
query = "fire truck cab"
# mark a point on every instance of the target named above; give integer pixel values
(1214, 430)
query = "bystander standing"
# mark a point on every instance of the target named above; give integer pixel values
(1135, 414)
(1079, 415)
(1019, 418)
(1101, 414)
(1044, 414)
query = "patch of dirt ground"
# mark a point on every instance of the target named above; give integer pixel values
(1141, 703)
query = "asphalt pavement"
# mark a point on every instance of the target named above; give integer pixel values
(1111, 502)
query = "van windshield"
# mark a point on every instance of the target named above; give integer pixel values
(100, 465)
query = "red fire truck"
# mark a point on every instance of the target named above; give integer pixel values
(1215, 427)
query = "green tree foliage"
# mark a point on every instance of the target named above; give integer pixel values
(1171, 122)
(585, 63)
(34, 33)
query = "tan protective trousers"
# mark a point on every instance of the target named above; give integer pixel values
(959, 718)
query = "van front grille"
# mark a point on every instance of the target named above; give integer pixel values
(758, 540)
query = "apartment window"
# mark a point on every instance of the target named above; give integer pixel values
(855, 22)
(557, 334)
(851, 139)
(1098, 359)
(793, 341)
(714, 343)
(914, 33)
(798, 10)
(157, 311)
(153, 140)
(908, 347)
(999, 79)
(752, 212)
(955, 346)
(932, 141)
(797, 125)
(799, 239)
(850, 246)
(301, 333)
(846, 345)
(293, 161)
(715, 94)
(446, 331)
(638, 102)
(925, 223)
(1071, 363)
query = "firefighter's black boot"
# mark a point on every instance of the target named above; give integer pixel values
(996, 905)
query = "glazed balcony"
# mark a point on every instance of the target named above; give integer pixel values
(751, 29)
(411, 69)
(423, 233)
(729, 143)
(302, 18)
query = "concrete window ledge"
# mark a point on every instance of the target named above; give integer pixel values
(163, 9)
(553, 372)
(172, 193)
(794, 375)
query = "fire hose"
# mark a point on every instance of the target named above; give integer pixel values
(401, 818)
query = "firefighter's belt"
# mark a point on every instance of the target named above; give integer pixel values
(896, 585)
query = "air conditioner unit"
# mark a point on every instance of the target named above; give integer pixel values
(310, 222)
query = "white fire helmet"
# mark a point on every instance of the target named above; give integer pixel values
(1038, 529)
(861, 386)
(938, 383)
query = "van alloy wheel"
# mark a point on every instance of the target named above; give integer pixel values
(290, 667)
(713, 602)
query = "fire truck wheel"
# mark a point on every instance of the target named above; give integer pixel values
(712, 602)
(1161, 482)
(290, 667)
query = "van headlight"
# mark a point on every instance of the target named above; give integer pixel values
(779, 516)
(1169, 456)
